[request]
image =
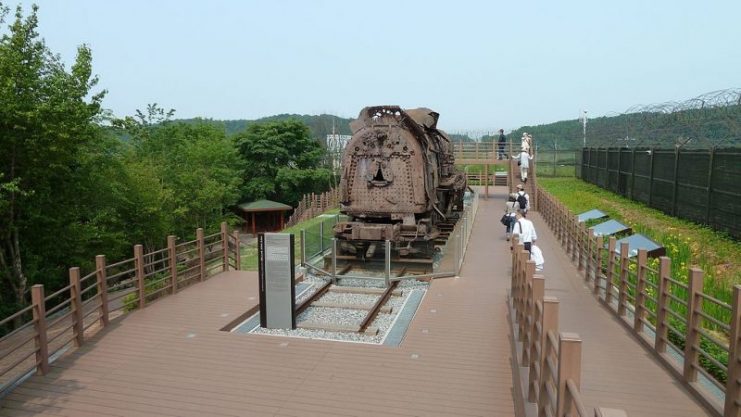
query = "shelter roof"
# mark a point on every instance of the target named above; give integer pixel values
(264, 205)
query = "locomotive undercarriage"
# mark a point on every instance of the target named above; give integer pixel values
(367, 239)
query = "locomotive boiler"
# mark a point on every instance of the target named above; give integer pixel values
(399, 183)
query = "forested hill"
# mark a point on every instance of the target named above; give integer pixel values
(702, 127)
(320, 126)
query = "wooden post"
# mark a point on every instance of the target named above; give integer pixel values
(661, 326)
(623, 289)
(569, 367)
(527, 271)
(709, 201)
(237, 251)
(201, 254)
(224, 247)
(76, 306)
(733, 389)
(590, 247)
(692, 339)
(535, 339)
(640, 307)
(173, 263)
(610, 269)
(582, 242)
(139, 271)
(550, 325)
(598, 263)
(527, 311)
(102, 282)
(486, 181)
(39, 319)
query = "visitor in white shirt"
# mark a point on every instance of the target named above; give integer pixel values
(525, 229)
(537, 256)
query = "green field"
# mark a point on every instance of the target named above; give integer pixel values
(687, 244)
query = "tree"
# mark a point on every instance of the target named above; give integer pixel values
(282, 162)
(47, 116)
(179, 175)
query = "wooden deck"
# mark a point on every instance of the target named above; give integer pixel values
(170, 359)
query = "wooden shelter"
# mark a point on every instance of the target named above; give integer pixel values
(264, 215)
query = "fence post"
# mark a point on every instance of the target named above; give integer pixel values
(76, 306)
(527, 311)
(589, 233)
(139, 271)
(651, 179)
(303, 247)
(711, 166)
(623, 289)
(692, 338)
(201, 254)
(598, 262)
(535, 339)
(633, 174)
(39, 318)
(224, 247)
(237, 251)
(661, 327)
(610, 269)
(733, 389)
(102, 283)
(173, 263)
(550, 324)
(640, 308)
(581, 243)
(676, 180)
(569, 367)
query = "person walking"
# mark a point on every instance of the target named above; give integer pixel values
(502, 142)
(510, 210)
(523, 160)
(525, 229)
(523, 200)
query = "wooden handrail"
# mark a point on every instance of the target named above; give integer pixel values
(659, 313)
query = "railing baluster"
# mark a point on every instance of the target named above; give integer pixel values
(640, 303)
(662, 331)
(39, 318)
(692, 339)
(102, 282)
(610, 269)
(733, 389)
(623, 288)
(569, 367)
(76, 306)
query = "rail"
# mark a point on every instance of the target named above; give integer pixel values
(552, 358)
(695, 334)
(70, 315)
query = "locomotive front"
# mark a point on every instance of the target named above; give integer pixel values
(392, 185)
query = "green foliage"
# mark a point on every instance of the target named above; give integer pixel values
(178, 176)
(47, 126)
(282, 162)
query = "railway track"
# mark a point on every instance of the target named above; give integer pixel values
(330, 296)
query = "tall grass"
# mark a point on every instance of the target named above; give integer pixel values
(686, 243)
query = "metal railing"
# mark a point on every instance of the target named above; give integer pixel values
(319, 253)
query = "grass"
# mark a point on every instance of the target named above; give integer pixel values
(311, 226)
(687, 244)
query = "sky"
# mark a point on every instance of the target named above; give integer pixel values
(483, 65)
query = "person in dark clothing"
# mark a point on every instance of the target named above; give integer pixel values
(502, 142)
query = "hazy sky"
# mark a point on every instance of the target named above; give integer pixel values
(481, 65)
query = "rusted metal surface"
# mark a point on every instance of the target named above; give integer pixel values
(377, 306)
(398, 182)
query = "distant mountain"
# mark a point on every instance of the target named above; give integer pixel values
(320, 125)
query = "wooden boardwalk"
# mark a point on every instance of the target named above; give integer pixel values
(171, 359)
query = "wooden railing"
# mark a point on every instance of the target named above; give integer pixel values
(312, 205)
(693, 333)
(47, 327)
(553, 359)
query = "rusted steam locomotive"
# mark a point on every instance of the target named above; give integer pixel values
(399, 183)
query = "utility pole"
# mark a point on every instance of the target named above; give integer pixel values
(584, 128)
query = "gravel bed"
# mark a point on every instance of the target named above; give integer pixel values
(347, 298)
(347, 317)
